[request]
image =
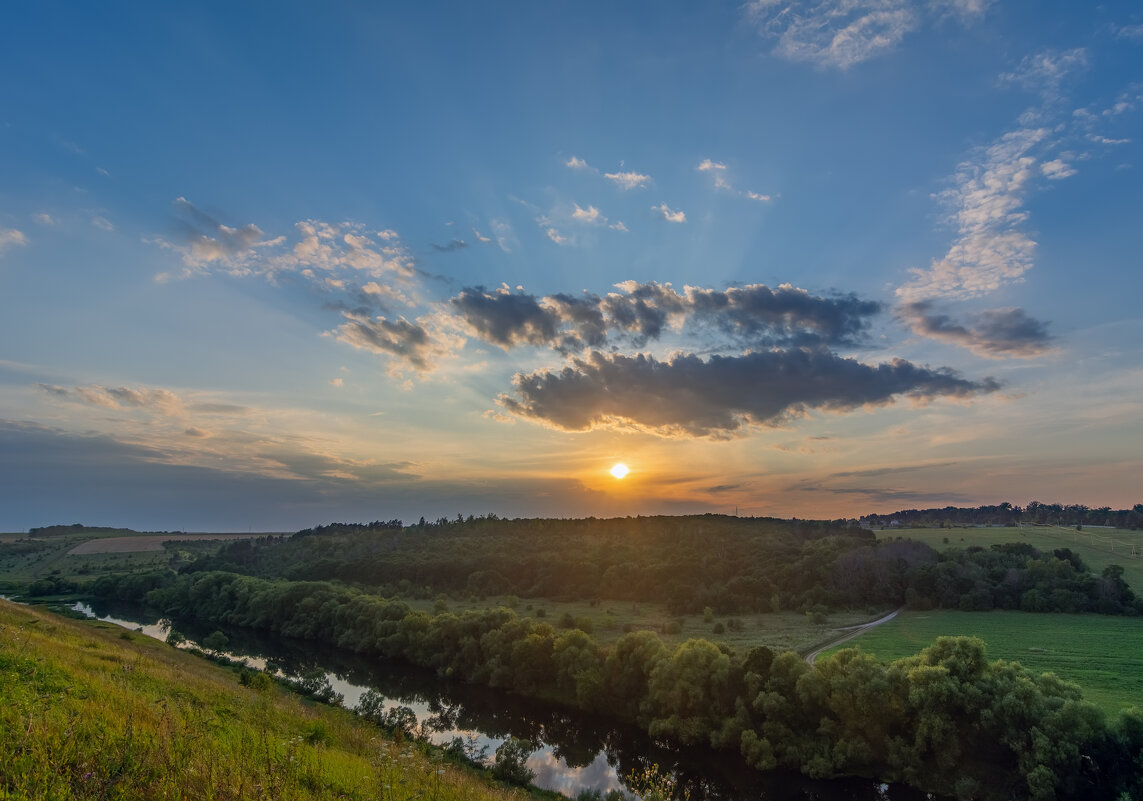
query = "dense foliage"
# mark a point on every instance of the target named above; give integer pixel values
(731, 565)
(1005, 514)
(946, 719)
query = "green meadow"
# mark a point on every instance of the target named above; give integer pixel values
(608, 621)
(1099, 547)
(1100, 653)
(93, 711)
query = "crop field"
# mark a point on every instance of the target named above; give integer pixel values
(1099, 547)
(610, 620)
(84, 556)
(146, 542)
(1098, 652)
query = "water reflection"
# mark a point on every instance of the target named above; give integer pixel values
(575, 752)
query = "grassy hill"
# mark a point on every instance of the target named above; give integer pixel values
(93, 711)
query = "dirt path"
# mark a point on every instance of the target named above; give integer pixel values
(850, 633)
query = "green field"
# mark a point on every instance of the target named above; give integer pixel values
(610, 620)
(1102, 654)
(1099, 547)
(25, 559)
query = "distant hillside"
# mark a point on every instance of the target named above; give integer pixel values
(1006, 514)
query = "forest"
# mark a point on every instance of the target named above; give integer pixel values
(729, 564)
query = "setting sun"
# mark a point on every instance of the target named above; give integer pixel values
(620, 470)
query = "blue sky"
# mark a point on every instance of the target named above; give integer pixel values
(268, 265)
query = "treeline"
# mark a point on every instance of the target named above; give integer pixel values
(731, 565)
(945, 720)
(1006, 514)
(78, 528)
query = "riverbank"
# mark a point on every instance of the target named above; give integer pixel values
(95, 711)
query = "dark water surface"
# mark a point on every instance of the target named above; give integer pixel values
(574, 751)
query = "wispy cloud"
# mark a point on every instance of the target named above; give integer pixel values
(628, 180)
(577, 163)
(10, 237)
(1044, 72)
(843, 33)
(722, 181)
(669, 215)
(985, 202)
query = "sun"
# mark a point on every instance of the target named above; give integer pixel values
(619, 470)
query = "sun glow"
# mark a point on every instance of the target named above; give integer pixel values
(620, 470)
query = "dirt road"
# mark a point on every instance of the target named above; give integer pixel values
(850, 633)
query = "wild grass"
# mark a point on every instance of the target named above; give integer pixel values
(1098, 652)
(607, 621)
(91, 711)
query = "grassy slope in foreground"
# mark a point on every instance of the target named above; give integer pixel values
(93, 711)
(1097, 652)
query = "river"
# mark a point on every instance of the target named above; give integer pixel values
(573, 752)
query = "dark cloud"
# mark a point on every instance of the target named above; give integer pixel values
(643, 309)
(583, 315)
(718, 397)
(507, 318)
(408, 341)
(786, 316)
(456, 244)
(753, 316)
(995, 333)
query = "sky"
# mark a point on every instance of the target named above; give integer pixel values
(269, 265)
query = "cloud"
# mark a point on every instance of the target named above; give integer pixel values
(162, 401)
(722, 181)
(1132, 33)
(628, 180)
(577, 163)
(206, 240)
(720, 397)
(510, 319)
(102, 223)
(10, 237)
(668, 215)
(555, 236)
(348, 247)
(787, 316)
(481, 237)
(994, 334)
(753, 316)
(456, 244)
(834, 33)
(1045, 71)
(590, 215)
(1056, 169)
(843, 33)
(43, 218)
(985, 201)
(506, 318)
(411, 343)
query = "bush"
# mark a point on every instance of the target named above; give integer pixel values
(510, 762)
